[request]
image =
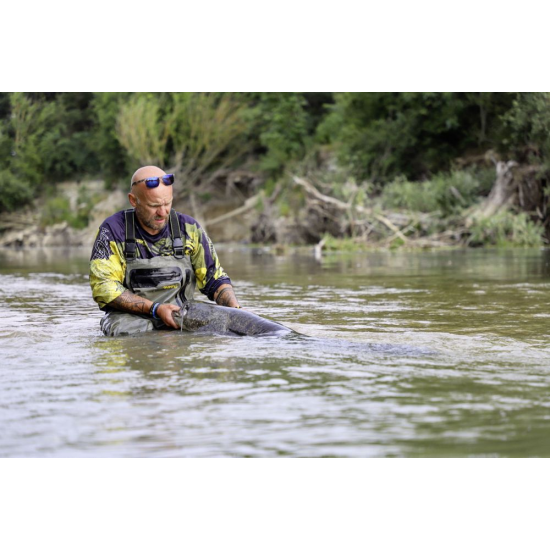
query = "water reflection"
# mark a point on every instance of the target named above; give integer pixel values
(400, 354)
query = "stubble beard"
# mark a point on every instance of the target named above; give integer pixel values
(150, 222)
(156, 226)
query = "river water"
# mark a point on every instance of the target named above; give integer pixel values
(442, 353)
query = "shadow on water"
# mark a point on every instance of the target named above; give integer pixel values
(348, 348)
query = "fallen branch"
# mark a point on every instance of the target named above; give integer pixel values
(348, 206)
(391, 226)
(324, 198)
(248, 205)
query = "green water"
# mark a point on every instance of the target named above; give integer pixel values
(402, 354)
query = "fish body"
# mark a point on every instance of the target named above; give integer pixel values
(204, 317)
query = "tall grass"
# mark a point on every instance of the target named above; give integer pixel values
(506, 229)
(447, 193)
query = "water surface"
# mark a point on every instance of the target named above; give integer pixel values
(403, 354)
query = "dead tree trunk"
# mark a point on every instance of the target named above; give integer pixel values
(503, 192)
(520, 187)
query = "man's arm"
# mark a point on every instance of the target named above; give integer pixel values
(225, 296)
(107, 268)
(130, 303)
(211, 278)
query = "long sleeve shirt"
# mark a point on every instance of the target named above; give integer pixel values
(108, 264)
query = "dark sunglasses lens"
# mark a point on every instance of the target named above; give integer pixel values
(152, 182)
(168, 179)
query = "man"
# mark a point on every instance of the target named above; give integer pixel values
(146, 260)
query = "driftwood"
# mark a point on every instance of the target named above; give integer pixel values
(519, 187)
(350, 208)
(503, 191)
(516, 187)
(250, 203)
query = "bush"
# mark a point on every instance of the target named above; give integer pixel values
(13, 193)
(506, 229)
(409, 195)
(111, 155)
(529, 125)
(282, 122)
(446, 193)
(58, 209)
(43, 138)
(194, 132)
(384, 135)
(342, 244)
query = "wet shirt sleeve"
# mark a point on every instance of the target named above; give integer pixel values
(107, 268)
(208, 271)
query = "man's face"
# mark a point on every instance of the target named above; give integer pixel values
(152, 205)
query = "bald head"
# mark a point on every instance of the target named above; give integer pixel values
(146, 172)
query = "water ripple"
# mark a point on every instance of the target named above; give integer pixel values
(397, 355)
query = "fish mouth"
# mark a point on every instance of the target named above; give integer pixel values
(182, 311)
(180, 314)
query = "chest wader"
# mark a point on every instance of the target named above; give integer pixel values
(163, 279)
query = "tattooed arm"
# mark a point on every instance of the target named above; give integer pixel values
(130, 303)
(225, 296)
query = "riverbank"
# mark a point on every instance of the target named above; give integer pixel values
(464, 208)
(71, 217)
(393, 170)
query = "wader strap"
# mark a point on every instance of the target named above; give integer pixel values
(175, 229)
(130, 242)
(184, 286)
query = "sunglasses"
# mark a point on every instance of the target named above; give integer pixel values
(168, 179)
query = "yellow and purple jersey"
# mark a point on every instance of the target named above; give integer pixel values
(108, 264)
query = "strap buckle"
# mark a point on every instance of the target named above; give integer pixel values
(177, 244)
(130, 250)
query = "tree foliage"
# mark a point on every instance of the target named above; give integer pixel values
(191, 132)
(383, 135)
(445, 193)
(528, 122)
(49, 137)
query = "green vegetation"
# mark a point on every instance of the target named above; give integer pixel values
(423, 152)
(528, 124)
(196, 133)
(444, 194)
(346, 244)
(57, 209)
(506, 229)
(412, 134)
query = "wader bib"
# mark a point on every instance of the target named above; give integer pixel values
(163, 279)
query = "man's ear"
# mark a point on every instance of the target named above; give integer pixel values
(133, 200)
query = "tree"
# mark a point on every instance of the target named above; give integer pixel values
(382, 135)
(193, 132)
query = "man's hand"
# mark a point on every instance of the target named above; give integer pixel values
(131, 303)
(165, 311)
